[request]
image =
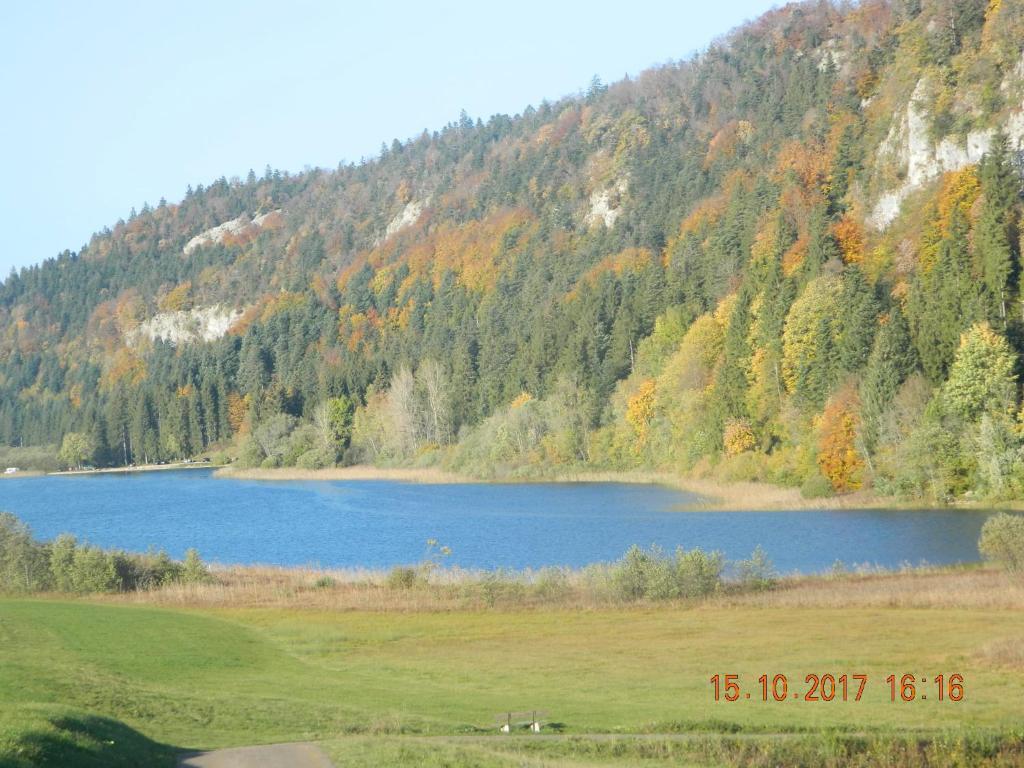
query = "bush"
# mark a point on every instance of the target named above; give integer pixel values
(401, 577)
(757, 572)
(698, 573)
(194, 570)
(303, 440)
(251, 454)
(93, 570)
(816, 486)
(317, 458)
(147, 571)
(1002, 541)
(497, 586)
(650, 574)
(62, 562)
(23, 562)
(65, 565)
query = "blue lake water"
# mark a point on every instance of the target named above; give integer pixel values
(383, 523)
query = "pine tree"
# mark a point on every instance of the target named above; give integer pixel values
(857, 322)
(995, 232)
(892, 359)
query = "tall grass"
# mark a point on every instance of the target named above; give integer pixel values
(452, 588)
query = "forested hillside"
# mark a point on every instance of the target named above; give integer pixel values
(795, 257)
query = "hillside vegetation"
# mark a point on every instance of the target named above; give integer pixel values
(794, 258)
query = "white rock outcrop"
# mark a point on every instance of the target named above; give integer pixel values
(604, 205)
(909, 146)
(186, 326)
(405, 218)
(234, 228)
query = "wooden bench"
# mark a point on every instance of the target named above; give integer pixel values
(508, 721)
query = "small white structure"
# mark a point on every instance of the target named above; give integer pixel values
(11, 471)
(509, 721)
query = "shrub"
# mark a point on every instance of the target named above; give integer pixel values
(497, 586)
(1002, 541)
(146, 571)
(551, 583)
(303, 440)
(324, 582)
(251, 454)
(698, 573)
(194, 570)
(650, 574)
(317, 458)
(62, 562)
(23, 562)
(93, 570)
(816, 486)
(401, 577)
(757, 572)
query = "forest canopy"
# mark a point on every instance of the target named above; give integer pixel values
(795, 257)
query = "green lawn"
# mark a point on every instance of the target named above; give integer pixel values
(208, 679)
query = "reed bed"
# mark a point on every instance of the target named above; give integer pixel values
(973, 587)
(455, 589)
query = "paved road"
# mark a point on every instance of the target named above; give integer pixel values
(271, 756)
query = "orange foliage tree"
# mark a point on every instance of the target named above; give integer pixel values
(238, 409)
(838, 457)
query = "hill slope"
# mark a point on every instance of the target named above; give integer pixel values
(763, 259)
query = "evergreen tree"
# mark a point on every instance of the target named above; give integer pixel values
(892, 359)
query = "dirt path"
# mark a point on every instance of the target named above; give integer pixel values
(270, 756)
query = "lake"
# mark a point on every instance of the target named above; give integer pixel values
(384, 523)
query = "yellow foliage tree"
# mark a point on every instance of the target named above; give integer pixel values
(640, 410)
(738, 438)
(178, 298)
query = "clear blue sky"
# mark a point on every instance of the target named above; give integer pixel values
(107, 105)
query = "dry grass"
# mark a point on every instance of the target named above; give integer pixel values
(444, 589)
(986, 588)
(427, 475)
(1007, 652)
(717, 495)
(460, 590)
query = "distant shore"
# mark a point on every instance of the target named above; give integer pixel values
(137, 468)
(715, 495)
(22, 473)
(425, 475)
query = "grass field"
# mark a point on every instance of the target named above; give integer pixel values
(77, 675)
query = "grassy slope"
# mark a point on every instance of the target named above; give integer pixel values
(228, 677)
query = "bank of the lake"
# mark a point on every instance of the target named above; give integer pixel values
(711, 494)
(135, 468)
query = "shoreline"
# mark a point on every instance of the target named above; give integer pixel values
(128, 470)
(713, 495)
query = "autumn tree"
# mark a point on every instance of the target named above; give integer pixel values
(76, 449)
(810, 361)
(981, 378)
(838, 456)
(640, 411)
